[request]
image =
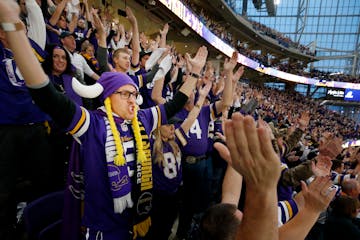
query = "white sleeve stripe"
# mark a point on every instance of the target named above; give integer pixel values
(285, 210)
(85, 126)
(155, 118)
(279, 217)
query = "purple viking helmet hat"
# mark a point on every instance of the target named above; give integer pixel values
(107, 84)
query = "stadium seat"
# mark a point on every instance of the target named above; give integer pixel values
(43, 217)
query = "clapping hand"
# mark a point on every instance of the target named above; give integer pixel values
(322, 167)
(251, 152)
(318, 194)
(330, 146)
(197, 63)
(230, 64)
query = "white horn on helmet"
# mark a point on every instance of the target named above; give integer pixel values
(91, 91)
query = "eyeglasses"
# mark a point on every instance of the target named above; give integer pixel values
(128, 94)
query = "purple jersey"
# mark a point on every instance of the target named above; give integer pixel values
(90, 130)
(16, 104)
(63, 84)
(146, 94)
(80, 33)
(51, 36)
(167, 176)
(197, 138)
(286, 211)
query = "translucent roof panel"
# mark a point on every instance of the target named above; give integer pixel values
(332, 26)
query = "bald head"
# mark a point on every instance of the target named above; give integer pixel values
(351, 187)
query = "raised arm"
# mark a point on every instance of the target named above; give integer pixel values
(19, 44)
(135, 37)
(101, 52)
(231, 187)
(254, 158)
(37, 27)
(73, 23)
(88, 16)
(163, 34)
(232, 183)
(156, 93)
(59, 107)
(58, 11)
(226, 100)
(317, 197)
(196, 64)
(194, 113)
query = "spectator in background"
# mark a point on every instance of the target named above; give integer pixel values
(25, 168)
(68, 41)
(340, 222)
(167, 170)
(351, 188)
(107, 214)
(197, 163)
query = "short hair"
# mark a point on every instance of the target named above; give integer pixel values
(348, 185)
(219, 222)
(336, 163)
(345, 206)
(85, 45)
(118, 51)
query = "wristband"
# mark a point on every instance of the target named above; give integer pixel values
(12, 27)
(194, 75)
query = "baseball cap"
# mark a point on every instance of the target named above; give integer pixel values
(65, 34)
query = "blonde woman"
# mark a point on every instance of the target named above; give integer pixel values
(167, 170)
(115, 151)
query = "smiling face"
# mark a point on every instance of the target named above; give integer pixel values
(59, 61)
(124, 108)
(167, 132)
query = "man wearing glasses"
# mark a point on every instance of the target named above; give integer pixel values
(114, 150)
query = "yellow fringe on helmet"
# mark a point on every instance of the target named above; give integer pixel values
(138, 140)
(119, 159)
(142, 228)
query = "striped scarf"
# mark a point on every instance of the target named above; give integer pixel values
(131, 194)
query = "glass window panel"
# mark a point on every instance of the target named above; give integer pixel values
(329, 22)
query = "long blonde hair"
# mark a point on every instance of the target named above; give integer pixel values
(158, 155)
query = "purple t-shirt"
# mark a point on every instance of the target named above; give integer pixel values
(197, 137)
(53, 37)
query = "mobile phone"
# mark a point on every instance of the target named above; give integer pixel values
(121, 13)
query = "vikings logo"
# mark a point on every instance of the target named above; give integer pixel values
(117, 181)
(144, 203)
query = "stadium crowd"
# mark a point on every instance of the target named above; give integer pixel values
(282, 40)
(295, 68)
(137, 135)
